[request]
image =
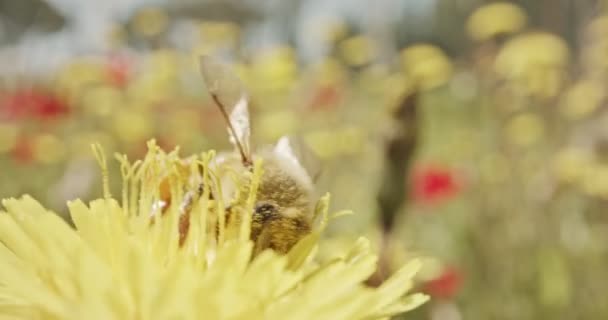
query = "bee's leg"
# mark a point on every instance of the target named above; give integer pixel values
(184, 217)
(185, 209)
(264, 214)
(263, 241)
(229, 217)
(159, 207)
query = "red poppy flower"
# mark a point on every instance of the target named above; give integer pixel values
(29, 103)
(433, 184)
(446, 285)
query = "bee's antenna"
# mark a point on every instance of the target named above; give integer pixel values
(222, 84)
(244, 155)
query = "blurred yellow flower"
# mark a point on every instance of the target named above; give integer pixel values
(78, 75)
(131, 126)
(115, 264)
(525, 129)
(357, 50)
(219, 33)
(582, 99)
(275, 69)
(8, 136)
(48, 148)
(160, 79)
(571, 164)
(595, 180)
(427, 65)
(536, 62)
(337, 142)
(102, 100)
(274, 124)
(498, 18)
(150, 22)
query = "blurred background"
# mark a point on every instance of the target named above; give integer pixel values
(473, 134)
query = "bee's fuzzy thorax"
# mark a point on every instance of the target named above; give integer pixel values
(285, 184)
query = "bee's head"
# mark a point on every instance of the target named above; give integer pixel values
(278, 228)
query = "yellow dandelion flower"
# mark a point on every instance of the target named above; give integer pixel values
(8, 136)
(272, 125)
(329, 144)
(495, 19)
(525, 129)
(571, 164)
(74, 78)
(357, 50)
(427, 65)
(160, 80)
(121, 261)
(150, 22)
(275, 69)
(102, 100)
(595, 180)
(131, 126)
(582, 99)
(219, 33)
(48, 148)
(536, 62)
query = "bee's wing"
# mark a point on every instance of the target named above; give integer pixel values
(231, 97)
(295, 151)
(239, 117)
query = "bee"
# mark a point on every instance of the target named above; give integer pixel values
(284, 201)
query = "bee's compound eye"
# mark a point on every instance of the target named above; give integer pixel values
(264, 207)
(265, 210)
